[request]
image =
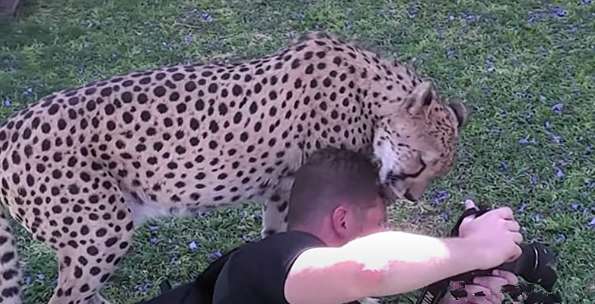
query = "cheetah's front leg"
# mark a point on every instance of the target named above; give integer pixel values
(275, 209)
(92, 251)
(275, 216)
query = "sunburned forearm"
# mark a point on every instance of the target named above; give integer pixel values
(393, 262)
(398, 262)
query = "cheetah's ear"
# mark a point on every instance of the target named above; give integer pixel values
(420, 98)
(461, 112)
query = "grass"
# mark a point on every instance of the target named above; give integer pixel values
(526, 67)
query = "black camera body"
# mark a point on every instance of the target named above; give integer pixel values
(533, 265)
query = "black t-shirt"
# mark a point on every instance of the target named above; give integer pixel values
(256, 273)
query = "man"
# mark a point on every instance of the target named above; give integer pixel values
(337, 250)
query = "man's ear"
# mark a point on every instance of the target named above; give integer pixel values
(340, 222)
(420, 98)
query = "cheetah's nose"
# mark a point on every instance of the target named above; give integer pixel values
(409, 196)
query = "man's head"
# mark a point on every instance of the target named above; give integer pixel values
(336, 196)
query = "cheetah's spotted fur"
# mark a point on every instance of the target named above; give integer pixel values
(82, 167)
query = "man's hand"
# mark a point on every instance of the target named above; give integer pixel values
(495, 233)
(490, 286)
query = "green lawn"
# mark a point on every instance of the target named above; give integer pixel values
(526, 67)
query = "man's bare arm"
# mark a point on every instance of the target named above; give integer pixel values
(389, 263)
(381, 264)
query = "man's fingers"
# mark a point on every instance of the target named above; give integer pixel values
(495, 298)
(473, 291)
(477, 294)
(456, 284)
(516, 254)
(485, 290)
(513, 226)
(504, 212)
(494, 283)
(517, 237)
(478, 301)
(469, 204)
(510, 277)
(491, 299)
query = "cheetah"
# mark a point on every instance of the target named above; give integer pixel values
(81, 168)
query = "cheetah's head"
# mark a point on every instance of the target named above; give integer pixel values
(417, 143)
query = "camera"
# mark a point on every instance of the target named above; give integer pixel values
(533, 265)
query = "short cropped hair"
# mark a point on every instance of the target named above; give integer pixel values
(330, 177)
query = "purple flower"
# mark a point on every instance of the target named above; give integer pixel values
(192, 246)
(451, 53)
(489, 65)
(214, 255)
(586, 2)
(503, 166)
(153, 228)
(537, 217)
(533, 180)
(559, 172)
(188, 39)
(575, 206)
(7, 102)
(143, 287)
(522, 208)
(28, 92)
(247, 238)
(495, 131)
(560, 238)
(470, 17)
(557, 139)
(592, 223)
(533, 17)
(153, 240)
(558, 108)
(558, 11)
(412, 10)
(441, 196)
(523, 95)
(206, 17)
(444, 215)
(40, 277)
(526, 141)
